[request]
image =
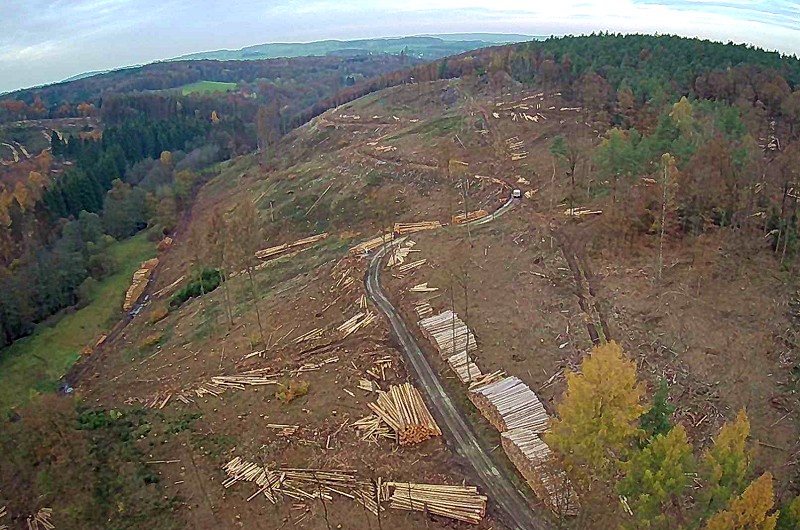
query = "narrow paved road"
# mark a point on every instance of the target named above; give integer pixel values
(515, 511)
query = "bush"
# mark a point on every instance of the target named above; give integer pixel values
(292, 391)
(205, 282)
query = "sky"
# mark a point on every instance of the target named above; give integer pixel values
(44, 41)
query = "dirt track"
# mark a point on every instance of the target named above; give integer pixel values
(514, 510)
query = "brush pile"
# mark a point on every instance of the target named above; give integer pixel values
(462, 503)
(405, 413)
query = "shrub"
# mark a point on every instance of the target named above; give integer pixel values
(292, 391)
(205, 282)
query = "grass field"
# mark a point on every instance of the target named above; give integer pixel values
(205, 87)
(36, 363)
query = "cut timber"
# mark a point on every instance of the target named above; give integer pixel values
(509, 404)
(423, 309)
(139, 283)
(580, 212)
(404, 411)
(449, 334)
(279, 250)
(464, 367)
(371, 244)
(411, 266)
(465, 218)
(169, 288)
(373, 428)
(534, 460)
(357, 322)
(410, 228)
(423, 288)
(41, 519)
(462, 503)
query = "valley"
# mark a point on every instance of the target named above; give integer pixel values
(659, 225)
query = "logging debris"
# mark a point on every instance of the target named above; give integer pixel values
(139, 283)
(357, 322)
(404, 411)
(42, 517)
(373, 428)
(399, 253)
(169, 288)
(315, 333)
(283, 430)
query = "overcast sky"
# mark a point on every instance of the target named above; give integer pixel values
(43, 41)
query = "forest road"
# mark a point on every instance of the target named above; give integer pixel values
(513, 508)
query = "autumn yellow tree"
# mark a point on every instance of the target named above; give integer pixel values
(724, 465)
(598, 419)
(750, 511)
(655, 478)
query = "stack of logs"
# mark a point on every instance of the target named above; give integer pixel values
(509, 404)
(528, 452)
(139, 283)
(462, 503)
(371, 244)
(448, 333)
(279, 250)
(423, 288)
(404, 411)
(467, 217)
(423, 309)
(410, 228)
(357, 322)
(41, 519)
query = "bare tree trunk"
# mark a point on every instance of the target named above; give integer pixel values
(255, 303)
(663, 223)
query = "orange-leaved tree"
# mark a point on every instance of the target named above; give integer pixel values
(598, 419)
(749, 511)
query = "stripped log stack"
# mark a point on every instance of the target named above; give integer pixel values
(534, 459)
(471, 216)
(449, 334)
(423, 309)
(371, 244)
(462, 503)
(404, 411)
(410, 228)
(139, 283)
(509, 404)
(464, 367)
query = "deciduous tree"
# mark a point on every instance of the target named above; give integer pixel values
(725, 465)
(598, 419)
(750, 511)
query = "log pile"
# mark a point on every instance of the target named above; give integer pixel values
(471, 216)
(404, 411)
(509, 404)
(368, 246)
(581, 212)
(410, 228)
(464, 367)
(423, 288)
(139, 283)
(301, 484)
(534, 459)
(411, 266)
(41, 519)
(314, 334)
(279, 250)
(423, 309)
(448, 333)
(357, 322)
(373, 428)
(516, 148)
(462, 503)
(3, 513)
(400, 253)
(239, 382)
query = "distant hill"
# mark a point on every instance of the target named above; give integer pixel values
(429, 47)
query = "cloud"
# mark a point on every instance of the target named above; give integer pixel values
(47, 40)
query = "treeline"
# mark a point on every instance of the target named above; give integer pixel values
(632, 466)
(136, 176)
(313, 77)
